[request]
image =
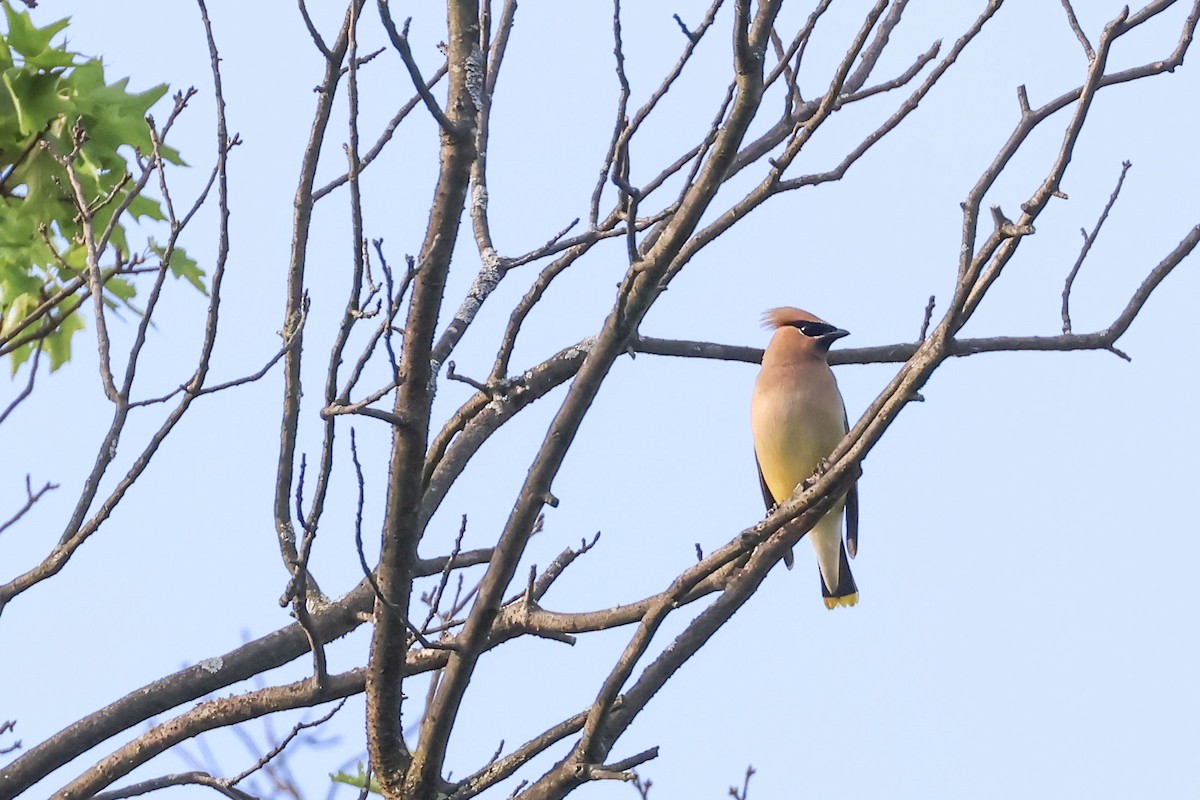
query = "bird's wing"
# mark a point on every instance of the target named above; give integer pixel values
(852, 521)
(769, 499)
(851, 507)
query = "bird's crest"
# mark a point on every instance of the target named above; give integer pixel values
(787, 315)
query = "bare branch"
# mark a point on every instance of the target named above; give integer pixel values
(399, 40)
(313, 32)
(745, 790)
(905, 108)
(389, 130)
(296, 297)
(1079, 34)
(207, 716)
(499, 769)
(418, 372)
(196, 778)
(872, 52)
(1088, 241)
(333, 620)
(283, 743)
(25, 392)
(928, 318)
(31, 498)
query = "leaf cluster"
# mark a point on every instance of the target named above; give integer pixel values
(57, 111)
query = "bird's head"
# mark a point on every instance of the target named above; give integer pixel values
(814, 334)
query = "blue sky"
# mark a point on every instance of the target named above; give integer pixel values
(1028, 539)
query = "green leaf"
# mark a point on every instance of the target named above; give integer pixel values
(76, 259)
(6, 59)
(58, 344)
(52, 59)
(112, 115)
(143, 207)
(19, 307)
(20, 356)
(121, 289)
(181, 264)
(171, 155)
(37, 99)
(26, 38)
(358, 781)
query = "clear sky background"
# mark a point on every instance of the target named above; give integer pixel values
(1029, 535)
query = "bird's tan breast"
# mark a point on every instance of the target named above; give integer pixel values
(797, 418)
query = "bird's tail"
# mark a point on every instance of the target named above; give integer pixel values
(846, 591)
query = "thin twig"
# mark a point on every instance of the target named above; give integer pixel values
(27, 390)
(334, 409)
(454, 376)
(1088, 240)
(399, 40)
(194, 778)
(1079, 34)
(745, 790)
(279, 748)
(928, 318)
(31, 498)
(313, 32)
(386, 136)
(435, 600)
(297, 299)
(368, 573)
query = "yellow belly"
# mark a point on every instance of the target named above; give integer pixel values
(789, 447)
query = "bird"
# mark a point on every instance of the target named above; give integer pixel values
(797, 417)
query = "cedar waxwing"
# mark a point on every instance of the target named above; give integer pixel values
(797, 417)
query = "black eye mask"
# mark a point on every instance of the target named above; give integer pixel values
(814, 329)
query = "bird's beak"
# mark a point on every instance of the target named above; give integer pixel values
(835, 334)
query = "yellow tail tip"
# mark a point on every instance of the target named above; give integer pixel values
(846, 600)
